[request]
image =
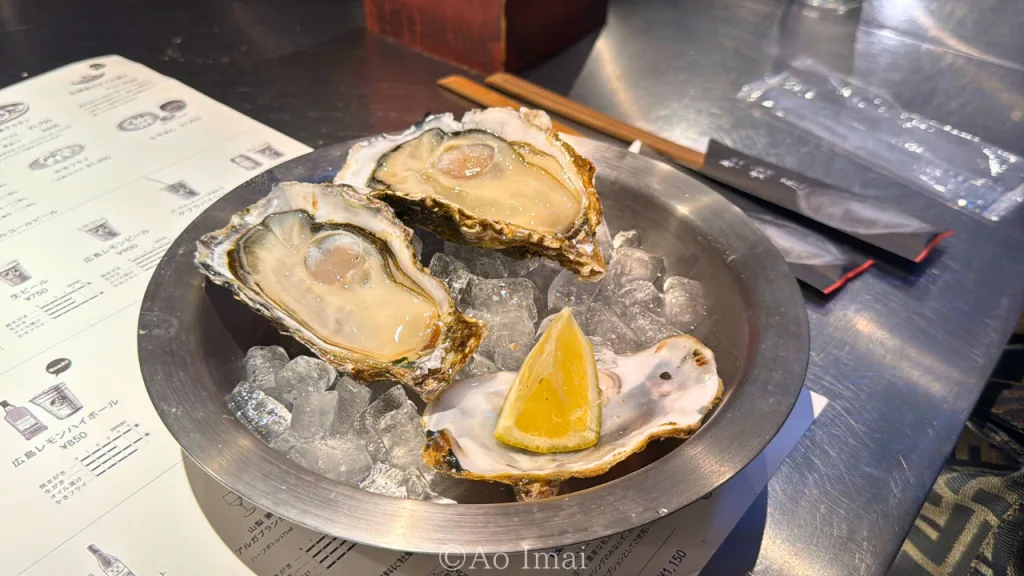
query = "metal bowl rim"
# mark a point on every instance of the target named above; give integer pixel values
(181, 391)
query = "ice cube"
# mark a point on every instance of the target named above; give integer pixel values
(355, 462)
(684, 302)
(543, 326)
(480, 262)
(417, 488)
(352, 399)
(520, 268)
(385, 480)
(262, 363)
(392, 399)
(368, 423)
(278, 393)
(339, 459)
(568, 291)
(500, 295)
(633, 292)
(603, 323)
(285, 442)
(299, 456)
(579, 315)
(510, 356)
(477, 366)
(509, 337)
(649, 329)
(541, 272)
(423, 485)
(603, 354)
(438, 483)
(313, 415)
(403, 436)
(370, 438)
(542, 275)
(304, 374)
(604, 240)
(453, 273)
(262, 415)
(626, 239)
(635, 263)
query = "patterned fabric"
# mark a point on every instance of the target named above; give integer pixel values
(973, 520)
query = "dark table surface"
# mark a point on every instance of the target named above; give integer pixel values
(902, 355)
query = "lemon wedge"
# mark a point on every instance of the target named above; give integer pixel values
(554, 404)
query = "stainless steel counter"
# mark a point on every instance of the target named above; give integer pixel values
(903, 356)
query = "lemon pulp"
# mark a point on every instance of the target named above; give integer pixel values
(554, 404)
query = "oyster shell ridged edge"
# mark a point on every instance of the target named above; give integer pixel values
(575, 249)
(440, 455)
(428, 374)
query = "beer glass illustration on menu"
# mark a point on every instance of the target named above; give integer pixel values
(58, 400)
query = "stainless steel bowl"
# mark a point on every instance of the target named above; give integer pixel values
(193, 335)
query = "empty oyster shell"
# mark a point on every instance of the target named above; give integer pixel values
(498, 179)
(334, 268)
(662, 392)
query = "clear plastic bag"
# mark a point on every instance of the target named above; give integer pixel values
(955, 167)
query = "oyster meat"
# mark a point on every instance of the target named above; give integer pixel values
(335, 268)
(662, 392)
(498, 179)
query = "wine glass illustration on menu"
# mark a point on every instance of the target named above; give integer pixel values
(233, 499)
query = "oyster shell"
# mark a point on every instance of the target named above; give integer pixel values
(334, 268)
(662, 392)
(498, 179)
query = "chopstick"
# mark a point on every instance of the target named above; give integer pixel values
(586, 116)
(484, 96)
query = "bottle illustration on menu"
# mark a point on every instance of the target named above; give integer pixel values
(110, 565)
(23, 421)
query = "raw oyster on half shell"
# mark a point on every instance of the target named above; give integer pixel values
(665, 391)
(335, 269)
(498, 179)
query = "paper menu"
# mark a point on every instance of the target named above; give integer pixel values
(87, 210)
(102, 164)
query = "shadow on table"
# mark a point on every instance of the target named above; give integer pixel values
(560, 72)
(738, 553)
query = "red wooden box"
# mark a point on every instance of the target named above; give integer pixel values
(486, 35)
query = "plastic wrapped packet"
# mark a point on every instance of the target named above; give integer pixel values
(955, 167)
(816, 260)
